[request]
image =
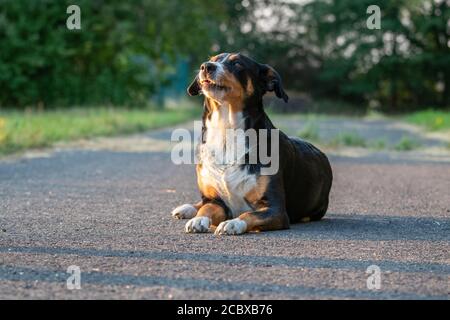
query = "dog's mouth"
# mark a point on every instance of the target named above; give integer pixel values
(212, 85)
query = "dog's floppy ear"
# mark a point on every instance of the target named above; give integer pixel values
(271, 81)
(194, 87)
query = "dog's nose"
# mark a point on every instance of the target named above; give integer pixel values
(208, 67)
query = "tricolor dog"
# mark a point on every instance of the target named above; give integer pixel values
(236, 196)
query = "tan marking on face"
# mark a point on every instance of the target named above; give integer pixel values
(214, 58)
(235, 94)
(233, 57)
(213, 211)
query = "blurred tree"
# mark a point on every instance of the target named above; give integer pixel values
(126, 51)
(122, 54)
(324, 47)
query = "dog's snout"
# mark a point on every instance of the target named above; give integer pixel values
(208, 67)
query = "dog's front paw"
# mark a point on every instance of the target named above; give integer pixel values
(185, 211)
(198, 225)
(234, 226)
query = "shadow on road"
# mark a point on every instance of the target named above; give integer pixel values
(99, 278)
(235, 259)
(370, 227)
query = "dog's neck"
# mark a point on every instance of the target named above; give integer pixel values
(221, 118)
(224, 115)
(247, 114)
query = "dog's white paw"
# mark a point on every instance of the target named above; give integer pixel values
(198, 225)
(234, 226)
(185, 211)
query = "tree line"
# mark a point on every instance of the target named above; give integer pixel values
(126, 51)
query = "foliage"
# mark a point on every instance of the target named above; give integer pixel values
(126, 50)
(378, 144)
(324, 47)
(349, 139)
(122, 54)
(310, 132)
(407, 144)
(430, 119)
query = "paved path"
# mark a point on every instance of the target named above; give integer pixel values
(107, 210)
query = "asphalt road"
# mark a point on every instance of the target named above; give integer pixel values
(108, 212)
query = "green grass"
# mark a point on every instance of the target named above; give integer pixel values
(35, 129)
(407, 144)
(430, 119)
(310, 132)
(349, 139)
(378, 144)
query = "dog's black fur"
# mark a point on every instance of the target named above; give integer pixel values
(299, 191)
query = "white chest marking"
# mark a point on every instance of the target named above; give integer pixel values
(219, 171)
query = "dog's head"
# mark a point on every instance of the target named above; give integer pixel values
(233, 77)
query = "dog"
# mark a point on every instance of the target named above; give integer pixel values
(237, 198)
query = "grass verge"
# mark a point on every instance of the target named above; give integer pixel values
(310, 132)
(35, 129)
(430, 119)
(348, 139)
(407, 144)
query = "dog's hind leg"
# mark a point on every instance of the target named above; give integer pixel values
(318, 215)
(264, 219)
